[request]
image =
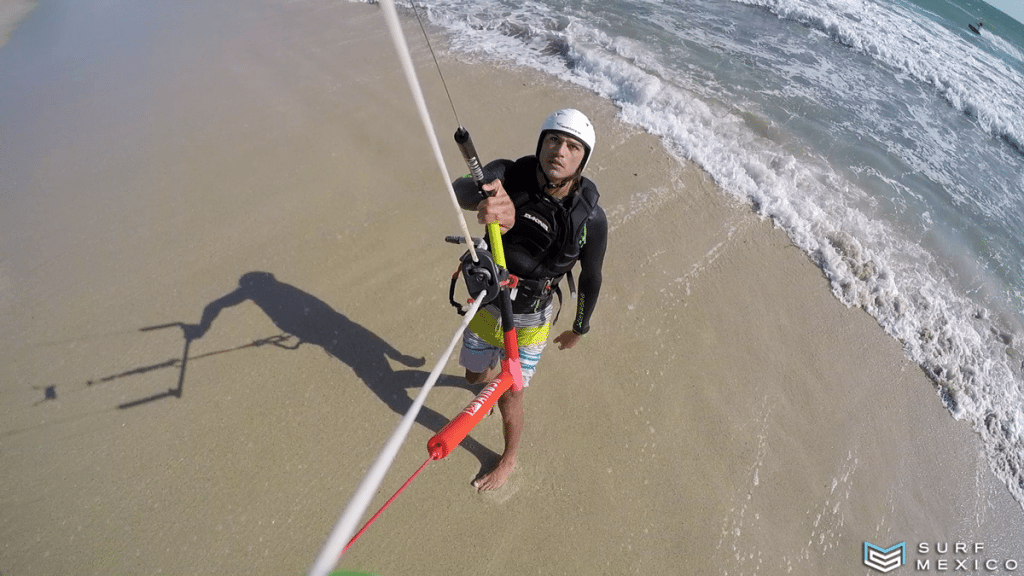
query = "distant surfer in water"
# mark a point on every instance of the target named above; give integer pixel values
(549, 220)
(976, 30)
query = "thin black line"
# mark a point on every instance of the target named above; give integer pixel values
(438, 65)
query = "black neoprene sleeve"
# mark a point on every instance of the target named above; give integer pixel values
(591, 262)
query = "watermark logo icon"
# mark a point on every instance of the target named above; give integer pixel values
(885, 559)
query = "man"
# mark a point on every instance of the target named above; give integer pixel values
(549, 220)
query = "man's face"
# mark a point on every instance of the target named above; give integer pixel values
(560, 156)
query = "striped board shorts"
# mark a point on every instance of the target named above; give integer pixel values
(483, 342)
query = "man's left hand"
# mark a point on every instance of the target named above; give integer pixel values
(567, 339)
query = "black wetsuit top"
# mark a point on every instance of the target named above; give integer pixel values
(519, 179)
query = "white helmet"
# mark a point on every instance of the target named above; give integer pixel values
(575, 124)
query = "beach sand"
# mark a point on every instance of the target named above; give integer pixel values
(726, 415)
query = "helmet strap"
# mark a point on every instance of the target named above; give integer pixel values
(549, 185)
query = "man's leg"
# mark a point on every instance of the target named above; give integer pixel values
(481, 377)
(511, 405)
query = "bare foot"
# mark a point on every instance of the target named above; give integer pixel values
(496, 478)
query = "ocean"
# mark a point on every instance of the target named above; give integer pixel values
(885, 137)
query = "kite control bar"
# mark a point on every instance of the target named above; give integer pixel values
(483, 275)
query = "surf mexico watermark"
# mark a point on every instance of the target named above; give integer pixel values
(938, 557)
(885, 559)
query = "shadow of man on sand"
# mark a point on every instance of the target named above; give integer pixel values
(313, 321)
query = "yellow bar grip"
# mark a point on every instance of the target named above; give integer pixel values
(494, 238)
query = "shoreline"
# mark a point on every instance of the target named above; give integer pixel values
(726, 413)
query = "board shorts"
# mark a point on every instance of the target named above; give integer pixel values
(483, 341)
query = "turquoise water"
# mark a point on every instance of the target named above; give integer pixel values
(884, 136)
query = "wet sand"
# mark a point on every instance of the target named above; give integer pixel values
(11, 12)
(264, 166)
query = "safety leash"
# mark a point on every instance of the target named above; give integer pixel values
(385, 506)
(360, 501)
